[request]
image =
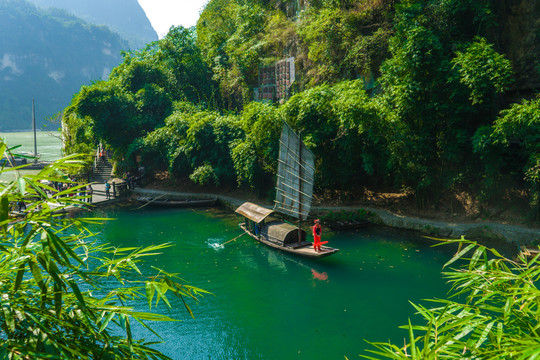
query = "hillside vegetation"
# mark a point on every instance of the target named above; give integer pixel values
(48, 55)
(125, 17)
(428, 97)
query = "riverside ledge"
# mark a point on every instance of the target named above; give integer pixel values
(514, 234)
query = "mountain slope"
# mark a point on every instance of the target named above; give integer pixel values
(48, 55)
(126, 17)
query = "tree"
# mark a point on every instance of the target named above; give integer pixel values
(510, 150)
(491, 311)
(255, 156)
(52, 275)
(140, 92)
(435, 97)
(344, 39)
(342, 126)
(484, 71)
(229, 33)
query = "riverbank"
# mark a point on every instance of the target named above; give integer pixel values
(489, 233)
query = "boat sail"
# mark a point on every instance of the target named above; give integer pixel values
(294, 194)
(295, 176)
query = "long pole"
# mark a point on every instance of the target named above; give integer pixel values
(34, 128)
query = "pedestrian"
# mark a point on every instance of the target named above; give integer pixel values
(107, 190)
(89, 192)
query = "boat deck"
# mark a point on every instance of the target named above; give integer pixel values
(304, 248)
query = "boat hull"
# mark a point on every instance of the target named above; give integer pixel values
(306, 248)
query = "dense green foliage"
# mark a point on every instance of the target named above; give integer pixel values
(42, 58)
(65, 294)
(435, 97)
(140, 92)
(428, 123)
(492, 312)
(510, 150)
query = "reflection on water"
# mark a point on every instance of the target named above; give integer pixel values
(319, 276)
(271, 305)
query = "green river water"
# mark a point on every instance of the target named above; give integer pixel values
(49, 147)
(271, 305)
(267, 304)
(49, 143)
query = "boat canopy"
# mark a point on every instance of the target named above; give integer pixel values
(282, 232)
(253, 211)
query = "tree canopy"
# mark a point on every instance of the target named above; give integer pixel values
(400, 94)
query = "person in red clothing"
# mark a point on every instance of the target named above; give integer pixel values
(317, 231)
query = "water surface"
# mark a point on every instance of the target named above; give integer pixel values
(271, 305)
(49, 146)
(49, 143)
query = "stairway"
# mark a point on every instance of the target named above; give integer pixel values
(102, 170)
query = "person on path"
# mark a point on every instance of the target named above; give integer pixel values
(317, 231)
(89, 192)
(107, 191)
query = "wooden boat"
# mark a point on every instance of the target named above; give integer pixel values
(294, 191)
(176, 203)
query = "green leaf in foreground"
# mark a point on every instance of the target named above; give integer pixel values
(52, 270)
(492, 312)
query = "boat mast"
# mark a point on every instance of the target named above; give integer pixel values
(34, 128)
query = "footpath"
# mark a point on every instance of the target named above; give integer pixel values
(513, 234)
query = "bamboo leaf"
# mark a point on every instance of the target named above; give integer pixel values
(106, 321)
(58, 294)
(412, 341)
(133, 266)
(36, 273)
(22, 185)
(19, 278)
(150, 291)
(8, 314)
(78, 293)
(147, 327)
(61, 244)
(459, 255)
(474, 260)
(484, 335)
(4, 209)
(128, 333)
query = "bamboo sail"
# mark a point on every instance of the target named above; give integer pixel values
(295, 176)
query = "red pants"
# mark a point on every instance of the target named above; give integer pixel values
(316, 242)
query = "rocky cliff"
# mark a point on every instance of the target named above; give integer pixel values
(518, 36)
(126, 17)
(48, 55)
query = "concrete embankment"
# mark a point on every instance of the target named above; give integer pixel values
(484, 230)
(450, 230)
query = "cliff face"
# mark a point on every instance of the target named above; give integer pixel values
(518, 36)
(126, 17)
(516, 33)
(48, 56)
